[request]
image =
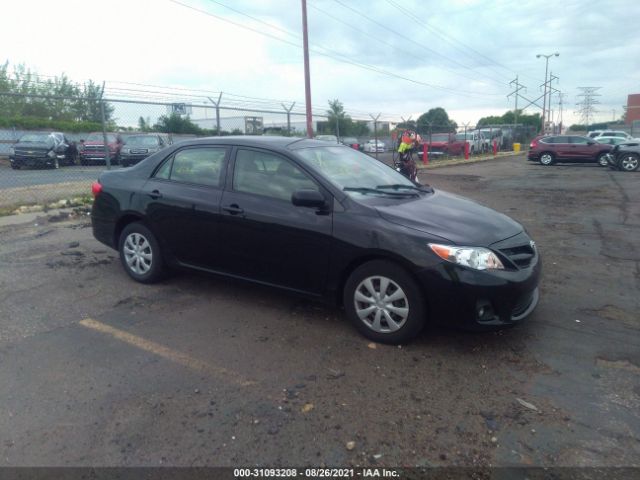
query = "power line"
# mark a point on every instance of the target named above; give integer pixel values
(379, 40)
(337, 58)
(443, 57)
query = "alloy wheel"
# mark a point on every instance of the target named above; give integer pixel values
(381, 304)
(629, 163)
(546, 159)
(603, 160)
(137, 253)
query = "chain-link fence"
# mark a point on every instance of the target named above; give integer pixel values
(53, 147)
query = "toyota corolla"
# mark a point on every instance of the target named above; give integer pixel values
(323, 220)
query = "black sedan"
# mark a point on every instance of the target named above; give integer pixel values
(625, 157)
(323, 220)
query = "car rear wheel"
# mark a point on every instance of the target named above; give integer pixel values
(140, 253)
(629, 162)
(384, 302)
(547, 158)
(603, 159)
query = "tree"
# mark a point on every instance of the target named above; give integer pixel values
(340, 124)
(174, 123)
(56, 99)
(509, 118)
(435, 120)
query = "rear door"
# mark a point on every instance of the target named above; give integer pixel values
(183, 203)
(267, 238)
(562, 148)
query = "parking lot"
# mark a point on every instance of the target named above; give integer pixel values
(100, 371)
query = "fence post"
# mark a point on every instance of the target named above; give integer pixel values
(107, 159)
(288, 110)
(217, 105)
(375, 131)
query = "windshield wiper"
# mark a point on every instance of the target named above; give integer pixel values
(401, 186)
(379, 191)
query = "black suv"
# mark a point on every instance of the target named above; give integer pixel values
(48, 149)
(139, 147)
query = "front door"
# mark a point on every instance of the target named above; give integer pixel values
(266, 237)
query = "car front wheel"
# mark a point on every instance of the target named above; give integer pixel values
(384, 302)
(603, 159)
(546, 159)
(140, 253)
(629, 162)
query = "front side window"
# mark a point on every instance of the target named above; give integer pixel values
(200, 166)
(263, 173)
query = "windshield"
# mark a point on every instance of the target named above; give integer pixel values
(462, 136)
(142, 141)
(36, 138)
(440, 137)
(98, 137)
(346, 167)
(327, 138)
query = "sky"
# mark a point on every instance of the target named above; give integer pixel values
(397, 58)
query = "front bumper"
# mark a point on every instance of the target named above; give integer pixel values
(132, 159)
(479, 300)
(31, 161)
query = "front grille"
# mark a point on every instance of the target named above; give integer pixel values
(20, 153)
(94, 148)
(521, 256)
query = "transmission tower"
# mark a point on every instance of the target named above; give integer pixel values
(586, 106)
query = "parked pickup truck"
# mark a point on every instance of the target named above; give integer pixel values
(93, 149)
(42, 150)
(440, 144)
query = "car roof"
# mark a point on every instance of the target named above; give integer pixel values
(260, 141)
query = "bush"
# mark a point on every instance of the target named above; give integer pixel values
(31, 123)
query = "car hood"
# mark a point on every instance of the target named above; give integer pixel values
(33, 146)
(458, 219)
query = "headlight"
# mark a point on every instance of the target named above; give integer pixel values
(126, 150)
(11, 151)
(478, 258)
(51, 154)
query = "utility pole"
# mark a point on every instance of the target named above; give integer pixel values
(586, 106)
(107, 158)
(518, 87)
(307, 78)
(546, 70)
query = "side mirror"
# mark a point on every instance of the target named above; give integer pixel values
(308, 198)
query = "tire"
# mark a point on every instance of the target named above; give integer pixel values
(603, 159)
(140, 254)
(15, 167)
(83, 162)
(398, 320)
(629, 162)
(547, 158)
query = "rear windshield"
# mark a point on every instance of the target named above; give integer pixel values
(440, 137)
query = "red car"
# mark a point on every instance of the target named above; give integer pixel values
(568, 148)
(92, 151)
(443, 144)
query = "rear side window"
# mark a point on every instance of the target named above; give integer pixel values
(200, 166)
(579, 140)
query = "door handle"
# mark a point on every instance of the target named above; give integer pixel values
(233, 209)
(155, 194)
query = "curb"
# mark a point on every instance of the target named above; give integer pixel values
(458, 161)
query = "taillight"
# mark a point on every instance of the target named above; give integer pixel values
(96, 188)
(533, 144)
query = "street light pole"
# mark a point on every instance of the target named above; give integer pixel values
(544, 102)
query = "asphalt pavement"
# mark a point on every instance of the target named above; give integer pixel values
(27, 177)
(97, 370)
